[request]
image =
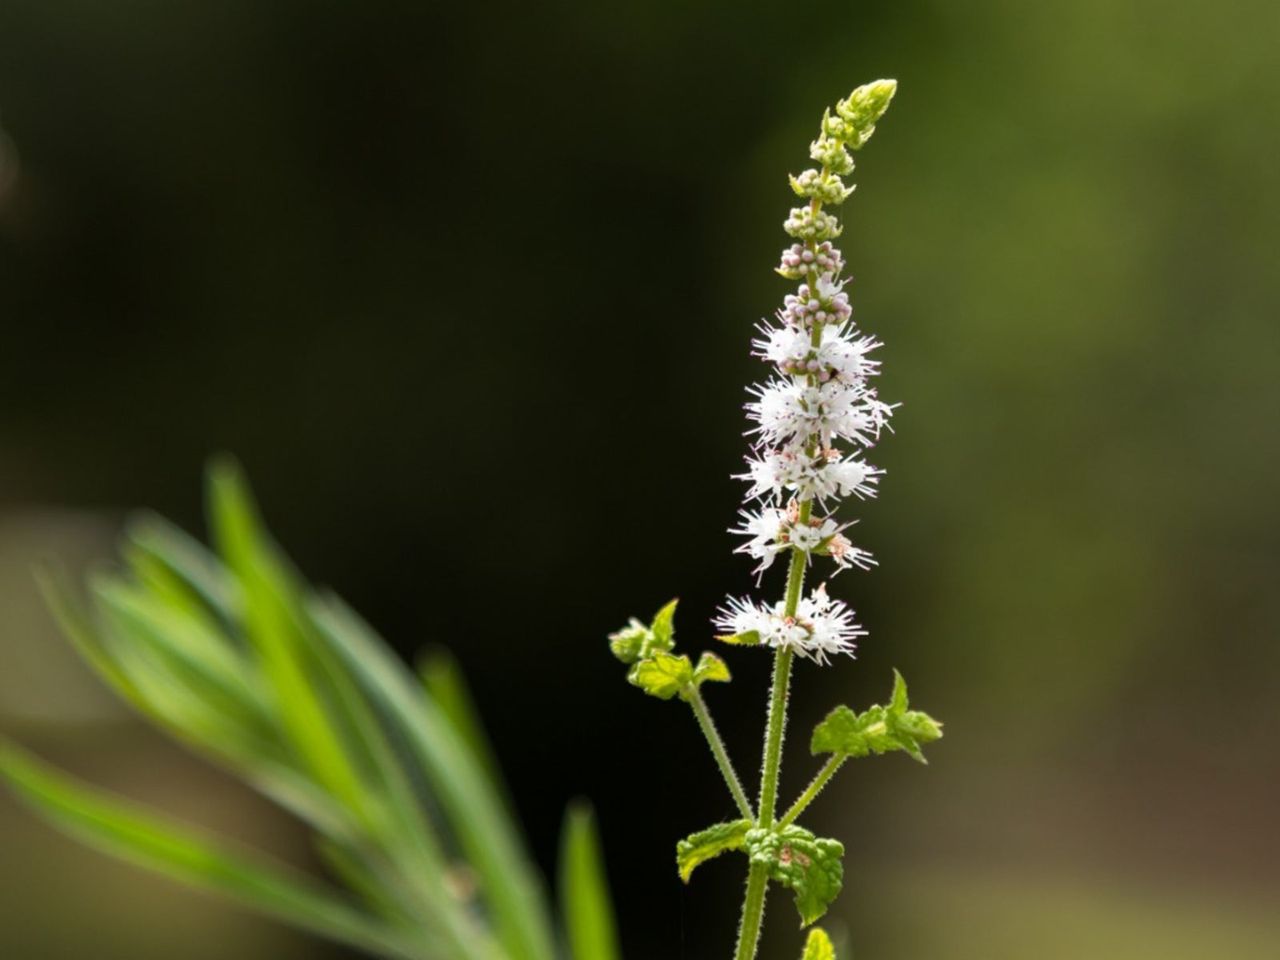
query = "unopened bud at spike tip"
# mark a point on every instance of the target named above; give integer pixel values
(863, 108)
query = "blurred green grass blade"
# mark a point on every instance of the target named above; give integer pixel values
(271, 624)
(585, 903)
(403, 833)
(202, 661)
(158, 580)
(270, 776)
(124, 830)
(188, 559)
(77, 625)
(362, 876)
(447, 688)
(487, 836)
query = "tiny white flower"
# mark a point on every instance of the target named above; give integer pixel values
(767, 531)
(852, 476)
(782, 344)
(845, 354)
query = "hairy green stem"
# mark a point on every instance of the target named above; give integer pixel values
(757, 875)
(694, 698)
(834, 763)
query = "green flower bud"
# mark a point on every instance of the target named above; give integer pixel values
(863, 108)
(823, 187)
(804, 224)
(830, 152)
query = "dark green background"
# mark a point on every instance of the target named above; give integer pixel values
(469, 290)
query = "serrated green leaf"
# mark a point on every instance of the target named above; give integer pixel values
(663, 627)
(710, 668)
(749, 639)
(878, 729)
(852, 734)
(818, 946)
(125, 830)
(584, 889)
(810, 867)
(698, 848)
(662, 675)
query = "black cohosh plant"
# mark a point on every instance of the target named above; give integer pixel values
(234, 654)
(813, 422)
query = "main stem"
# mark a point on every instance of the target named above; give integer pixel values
(709, 731)
(758, 875)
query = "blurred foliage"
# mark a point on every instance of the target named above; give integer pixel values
(484, 279)
(235, 656)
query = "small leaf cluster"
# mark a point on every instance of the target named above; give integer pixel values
(877, 729)
(655, 669)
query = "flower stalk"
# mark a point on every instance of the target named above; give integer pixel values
(814, 420)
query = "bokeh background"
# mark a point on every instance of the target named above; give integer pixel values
(469, 288)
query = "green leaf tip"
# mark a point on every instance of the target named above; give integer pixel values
(697, 848)
(809, 866)
(585, 902)
(749, 639)
(664, 627)
(636, 642)
(710, 668)
(818, 946)
(877, 729)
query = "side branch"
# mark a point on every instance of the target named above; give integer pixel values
(834, 763)
(699, 706)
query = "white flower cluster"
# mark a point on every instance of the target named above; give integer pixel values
(819, 400)
(820, 628)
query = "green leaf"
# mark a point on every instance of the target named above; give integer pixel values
(749, 639)
(898, 700)
(628, 644)
(700, 847)
(447, 687)
(818, 946)
(808, 866)
(127, 831)
(710, 668)
(663, 627)
(270, 600)
(878, 729)
(584, 889)
(662, 675)
(186, 649)
(853, 734)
